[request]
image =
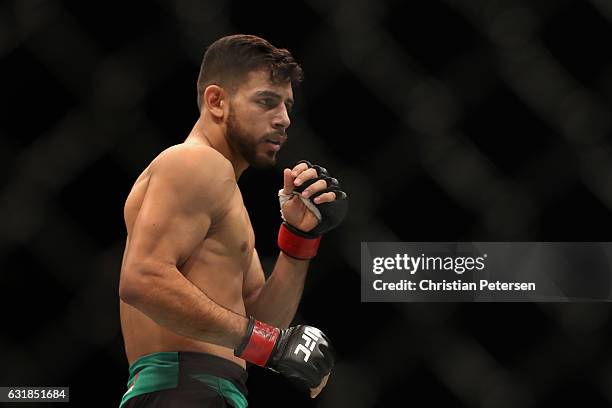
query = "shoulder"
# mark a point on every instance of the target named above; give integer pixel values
(196, 175)
(194, 162)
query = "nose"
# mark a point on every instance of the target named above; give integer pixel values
(281, 119)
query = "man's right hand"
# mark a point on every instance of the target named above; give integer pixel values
(301, 353)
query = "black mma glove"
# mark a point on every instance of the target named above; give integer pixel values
(301, 353)
(304, 244)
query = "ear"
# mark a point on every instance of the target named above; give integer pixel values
(216, 100)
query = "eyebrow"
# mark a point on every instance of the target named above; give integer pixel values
(272, 94)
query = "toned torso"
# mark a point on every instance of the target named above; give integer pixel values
(217, 266)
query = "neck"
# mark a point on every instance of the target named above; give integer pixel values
(213, 134)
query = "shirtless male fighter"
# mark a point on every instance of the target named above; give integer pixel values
(195, 304)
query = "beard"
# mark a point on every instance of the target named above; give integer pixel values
(250, 147)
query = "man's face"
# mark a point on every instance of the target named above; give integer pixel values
(259, 117)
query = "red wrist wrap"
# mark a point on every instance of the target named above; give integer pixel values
(261, 343)
(296, 246)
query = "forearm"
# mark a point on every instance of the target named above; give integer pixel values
(172, 301)
(280, 296)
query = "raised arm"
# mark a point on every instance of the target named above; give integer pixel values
(188, 187)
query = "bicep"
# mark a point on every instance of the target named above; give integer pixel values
(168, 225)
(253, 280)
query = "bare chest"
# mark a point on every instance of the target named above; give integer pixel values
(229, 242)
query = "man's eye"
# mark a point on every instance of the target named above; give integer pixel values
(266, 102)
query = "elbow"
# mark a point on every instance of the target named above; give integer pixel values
(133, 283)
(130, 291)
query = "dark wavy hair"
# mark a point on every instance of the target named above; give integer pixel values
(228, 60)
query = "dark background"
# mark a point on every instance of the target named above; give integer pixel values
(454, 120)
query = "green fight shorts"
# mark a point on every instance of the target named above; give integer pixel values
(185, 379)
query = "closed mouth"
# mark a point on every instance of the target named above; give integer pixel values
(274, 142)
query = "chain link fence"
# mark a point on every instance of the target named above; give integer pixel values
(449, 120)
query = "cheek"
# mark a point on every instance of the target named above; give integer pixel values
(250, 117)
(255, 123)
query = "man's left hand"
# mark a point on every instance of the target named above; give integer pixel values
(313, 183)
